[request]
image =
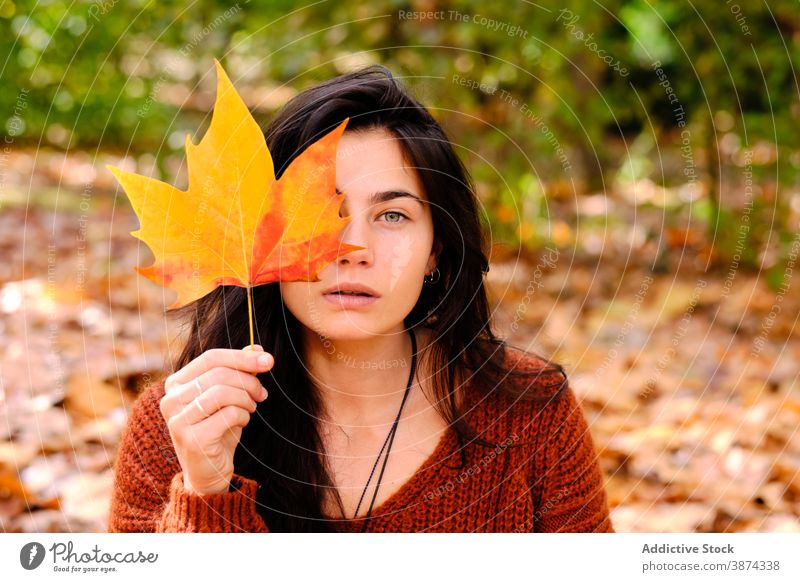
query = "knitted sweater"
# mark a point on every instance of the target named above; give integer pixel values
(551, 484)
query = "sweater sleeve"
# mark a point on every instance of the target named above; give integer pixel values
(230, 512)
(568, 488)
(148, 493)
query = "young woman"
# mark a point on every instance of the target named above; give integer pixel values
(391, 404)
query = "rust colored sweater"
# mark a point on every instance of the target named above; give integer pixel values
(552, 484)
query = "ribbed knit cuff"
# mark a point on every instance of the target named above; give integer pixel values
(229, 512)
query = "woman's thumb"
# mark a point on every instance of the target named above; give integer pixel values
(255, 348)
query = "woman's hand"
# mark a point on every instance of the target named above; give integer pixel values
(207, 404)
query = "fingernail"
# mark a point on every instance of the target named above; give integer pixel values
(264, 360)
(263, 393)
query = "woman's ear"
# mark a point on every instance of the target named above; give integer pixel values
(436, 251)
(433, 260)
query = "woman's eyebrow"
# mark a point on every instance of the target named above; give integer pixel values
(381, 197)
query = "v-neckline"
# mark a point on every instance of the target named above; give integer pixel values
(443, 445)
(448, 439)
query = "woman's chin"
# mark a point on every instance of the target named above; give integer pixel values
(350, 328)
(344, 333)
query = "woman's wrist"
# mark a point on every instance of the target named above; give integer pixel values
(187, 485)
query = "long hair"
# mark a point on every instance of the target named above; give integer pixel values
(281, 447)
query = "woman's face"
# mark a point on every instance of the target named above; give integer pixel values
(391, 218)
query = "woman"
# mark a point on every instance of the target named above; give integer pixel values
(392, 406)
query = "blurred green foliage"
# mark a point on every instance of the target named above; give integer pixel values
(545, 103)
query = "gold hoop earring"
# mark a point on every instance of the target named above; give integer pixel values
(434, 277)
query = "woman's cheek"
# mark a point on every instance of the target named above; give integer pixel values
(299, 301)
(409, 278)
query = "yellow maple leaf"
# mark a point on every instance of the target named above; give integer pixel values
(236, 224)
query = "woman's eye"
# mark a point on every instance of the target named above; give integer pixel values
(391, 214)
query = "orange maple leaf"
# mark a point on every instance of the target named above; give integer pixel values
(236, 224)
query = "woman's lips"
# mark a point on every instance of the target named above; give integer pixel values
(350, 301)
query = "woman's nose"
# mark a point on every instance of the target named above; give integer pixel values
(356, 232)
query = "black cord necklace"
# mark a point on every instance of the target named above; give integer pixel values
(389, 439)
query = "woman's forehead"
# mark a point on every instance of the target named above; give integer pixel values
(372, 162)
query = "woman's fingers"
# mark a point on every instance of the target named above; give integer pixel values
(203, 431)
(250, 361)
(214, 399)
(225, 376)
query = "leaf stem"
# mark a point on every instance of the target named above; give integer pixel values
(250, 313)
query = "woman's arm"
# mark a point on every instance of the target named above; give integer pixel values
(568, 489)
(148, 494)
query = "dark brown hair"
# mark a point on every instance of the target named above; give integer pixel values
(281, 446)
